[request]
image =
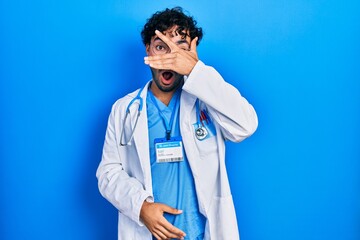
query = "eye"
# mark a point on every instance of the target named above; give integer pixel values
(159, 48)
(185, 47)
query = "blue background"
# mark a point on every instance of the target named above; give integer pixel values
(63, 64)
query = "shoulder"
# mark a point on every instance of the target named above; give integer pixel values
(123, 102)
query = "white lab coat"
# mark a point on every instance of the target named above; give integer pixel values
(124, 173)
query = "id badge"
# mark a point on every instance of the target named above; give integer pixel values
(169, 150)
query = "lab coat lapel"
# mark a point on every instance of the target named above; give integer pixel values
(187, 105)
(187, 118)
(141, 140)
(187, 102)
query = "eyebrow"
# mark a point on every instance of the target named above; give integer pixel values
(182, 41)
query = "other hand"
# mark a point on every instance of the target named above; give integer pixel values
(152, 216)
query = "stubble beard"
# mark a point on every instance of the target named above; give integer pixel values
(176, 84)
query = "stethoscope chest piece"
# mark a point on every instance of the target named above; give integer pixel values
(201, 133)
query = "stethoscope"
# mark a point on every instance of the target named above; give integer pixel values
(140, 106)
(200, 131)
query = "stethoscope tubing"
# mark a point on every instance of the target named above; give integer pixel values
(200, 131)
(136, 120)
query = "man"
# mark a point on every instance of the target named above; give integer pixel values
(164, 170)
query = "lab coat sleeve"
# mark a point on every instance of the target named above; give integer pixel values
(236, 118)
(126, 193)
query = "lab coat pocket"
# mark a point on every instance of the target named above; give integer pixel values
(222, 219)
(130, 230)
(126, 227)
(207, 145)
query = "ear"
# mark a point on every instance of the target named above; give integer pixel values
(147, 47)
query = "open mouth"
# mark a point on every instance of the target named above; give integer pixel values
(167, 75)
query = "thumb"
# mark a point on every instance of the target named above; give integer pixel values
(193, 44)
(170, 210)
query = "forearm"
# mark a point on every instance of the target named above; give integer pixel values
(226, 106)
(122, 191)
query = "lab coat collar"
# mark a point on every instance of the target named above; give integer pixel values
(141, 136)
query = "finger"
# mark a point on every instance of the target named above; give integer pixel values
(167, 233)
(193, 44)
(162, 66)
(166, 40)
(168, 209)
(160, 234)
(160, 57)
(168, 226)
(156, 236)
(173, 230)
(161, 62)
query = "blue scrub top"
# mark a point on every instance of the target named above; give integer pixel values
(173, 183)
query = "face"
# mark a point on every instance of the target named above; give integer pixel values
(167, 80)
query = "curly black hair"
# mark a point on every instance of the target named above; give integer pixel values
(164, 20)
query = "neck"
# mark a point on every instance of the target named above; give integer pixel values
(164, 97)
